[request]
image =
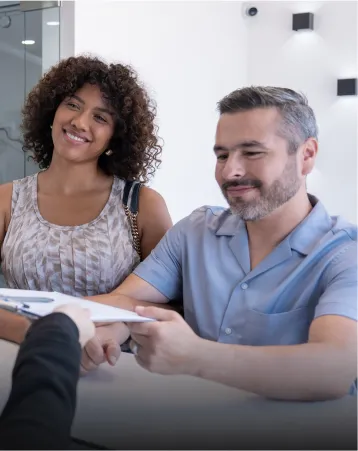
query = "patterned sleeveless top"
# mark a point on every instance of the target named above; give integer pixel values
(83, 260)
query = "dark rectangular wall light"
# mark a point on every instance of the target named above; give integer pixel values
(347, 87)
(302, 21)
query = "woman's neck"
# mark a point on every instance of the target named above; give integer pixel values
(69, 178)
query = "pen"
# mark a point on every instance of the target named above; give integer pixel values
(9, 306)
(26, 299)
(15, 308)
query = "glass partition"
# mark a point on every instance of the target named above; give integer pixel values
(29, 46)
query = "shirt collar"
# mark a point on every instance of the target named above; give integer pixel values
(302, 239)
(316, 224)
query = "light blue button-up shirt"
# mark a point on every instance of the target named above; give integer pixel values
(204, 259)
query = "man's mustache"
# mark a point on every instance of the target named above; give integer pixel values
(252, 183)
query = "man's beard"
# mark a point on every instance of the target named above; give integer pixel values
(269, 199)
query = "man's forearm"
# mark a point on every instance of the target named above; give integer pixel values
(117, 299)
(13, 327)
(306, 372)
(134, 292)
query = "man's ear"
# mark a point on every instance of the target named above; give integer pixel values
(309, 152)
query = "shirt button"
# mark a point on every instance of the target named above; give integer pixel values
(244, 286)
(228, 331)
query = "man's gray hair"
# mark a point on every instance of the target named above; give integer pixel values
(299, 122)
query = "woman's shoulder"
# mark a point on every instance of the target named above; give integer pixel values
(152, 207)
(147, 197)
(5, 200)
(24, 181)
(150, 196)
(9, 192)
(6, 192)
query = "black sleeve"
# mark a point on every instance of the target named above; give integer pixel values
(42, 402)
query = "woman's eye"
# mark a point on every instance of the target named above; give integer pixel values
(100, 118)
(72, 105)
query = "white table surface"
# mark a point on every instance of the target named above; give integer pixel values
(127, 407)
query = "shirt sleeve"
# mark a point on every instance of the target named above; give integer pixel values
(41, 406)
(163, 267)
(340, 295)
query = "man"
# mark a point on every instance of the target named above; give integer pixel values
(269, 286)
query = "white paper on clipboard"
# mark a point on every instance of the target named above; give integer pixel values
(99, 312)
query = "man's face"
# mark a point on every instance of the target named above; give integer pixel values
(254, 169)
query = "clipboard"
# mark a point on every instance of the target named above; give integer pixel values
(36, 304)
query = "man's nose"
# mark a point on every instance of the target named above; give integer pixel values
(233, 168)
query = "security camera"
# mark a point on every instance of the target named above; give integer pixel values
(251, 11)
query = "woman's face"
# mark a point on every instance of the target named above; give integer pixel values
(83, 126)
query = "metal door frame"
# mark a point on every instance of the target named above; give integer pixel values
(33, 6)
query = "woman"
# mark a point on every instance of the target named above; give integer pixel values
(74, 227)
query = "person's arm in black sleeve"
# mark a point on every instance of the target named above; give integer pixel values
(42, 402)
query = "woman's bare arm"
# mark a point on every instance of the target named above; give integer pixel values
(153, 219)
(12, 327)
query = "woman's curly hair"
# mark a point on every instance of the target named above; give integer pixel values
(136, 152)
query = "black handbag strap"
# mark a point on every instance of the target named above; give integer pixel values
(131, 205)
(131, 195)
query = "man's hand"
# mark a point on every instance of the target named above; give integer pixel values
(104, 347)
(166, 346)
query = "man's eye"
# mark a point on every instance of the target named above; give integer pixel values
(221, 157)
(252, 154)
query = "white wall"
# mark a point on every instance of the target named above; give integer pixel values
(312, 61)
(190, 54)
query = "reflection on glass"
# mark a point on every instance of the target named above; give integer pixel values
(29, 46)
(12, 86)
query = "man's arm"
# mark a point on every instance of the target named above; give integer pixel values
(324, 368)
(156, 281)
(132, 292)
(105, 347)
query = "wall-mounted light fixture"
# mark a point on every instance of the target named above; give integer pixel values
(302, 21)
(347, 87)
